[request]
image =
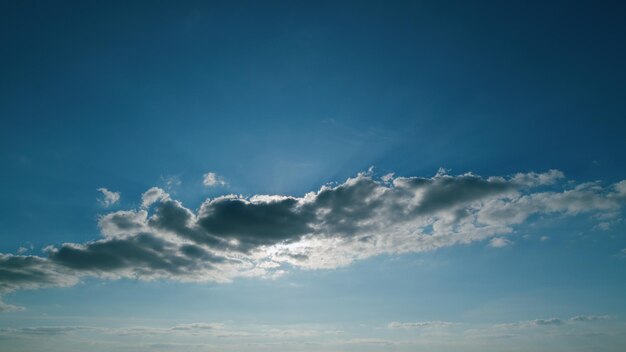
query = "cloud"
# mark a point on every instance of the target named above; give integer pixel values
(264, 235)
(549, 322)
(190, 330)
(574, 326)
(45, 330)
(31, 272)
(533, 179)
(589, 318)
(198, 326)
(144, 256)
(419, 325)
(24, 249)
(108, 197)
(211, 179)
(499, 242)
(4, 307)
(171, 181)
(152, 196)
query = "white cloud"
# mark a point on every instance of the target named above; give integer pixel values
(499, 242)
(211, 179)
(152, 196)
(388, 177)
(533, 179)
(26, 248)
(108, 197)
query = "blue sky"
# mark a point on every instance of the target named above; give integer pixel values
(442, 176)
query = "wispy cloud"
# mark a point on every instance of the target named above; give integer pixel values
(589, 318)
(211, 179)
(5, 307)
(419, 325)
(108, 197)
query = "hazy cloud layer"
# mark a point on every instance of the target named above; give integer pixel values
(263, 235)
(420, 325)
(235, 336)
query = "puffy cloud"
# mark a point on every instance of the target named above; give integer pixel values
(108, 197)
(211, 179)
(152, 196)
(499, 242)
(533, 179)
(262, 235)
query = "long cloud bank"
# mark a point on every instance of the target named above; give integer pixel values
(264, 235)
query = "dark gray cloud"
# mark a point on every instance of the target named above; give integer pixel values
(141, 255)
(251, 223)
(232, 236)
(18, 272)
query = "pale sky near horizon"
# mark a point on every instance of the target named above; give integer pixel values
(312, 176)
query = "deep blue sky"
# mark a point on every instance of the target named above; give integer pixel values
(283, 97)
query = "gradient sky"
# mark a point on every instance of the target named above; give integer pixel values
(312, 176)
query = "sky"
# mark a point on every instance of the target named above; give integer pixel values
(312, 176)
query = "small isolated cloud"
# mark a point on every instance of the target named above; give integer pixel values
(24, 249)
(108, 197)
(171, 181)
(499, 242)
(211, 179)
